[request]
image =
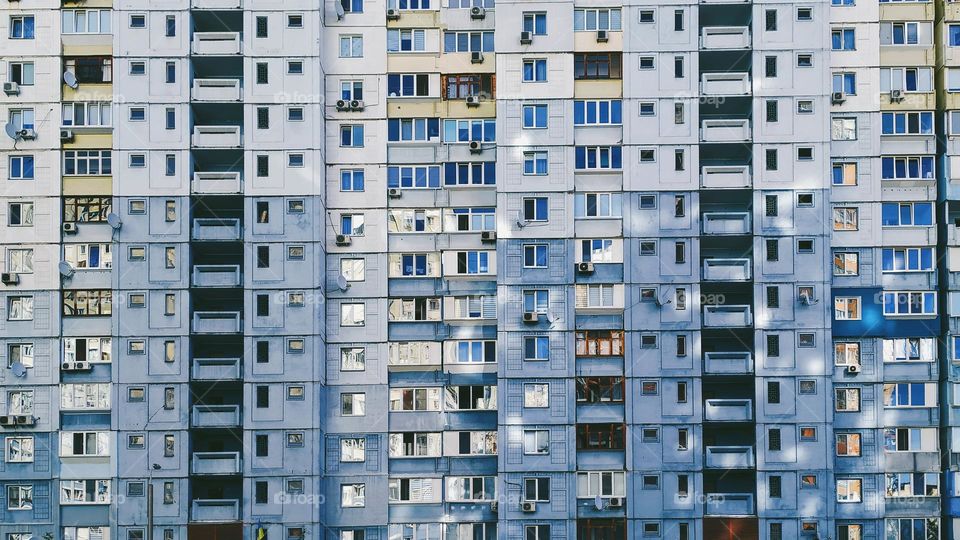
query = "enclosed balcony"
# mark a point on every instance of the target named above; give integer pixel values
(729, 504)
(216, 90)
(216, 416)
(214, 510)
(216, 43)
(216, 137)
(730, 457)
(216, 229)
(727, 269)
(725, 176)
(727, 316)
(216, 275)
(216, 182)
(728, 362)
(725, 130)
(726, 223)
(728, 410)
(724, 37)
(215, 463)
(725, 84)
(216, 369)
(216, 322)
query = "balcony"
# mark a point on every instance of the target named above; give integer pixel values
(725, 176)
(737, 316)
(216, 136)
(216, 322)
(728, 362)
(725, 84)
(218, 5)
(216, 229)
(726, 223)
(212, 416)
(725, 37)
(730, 457)
(725, 131)
(216, 43)
(216, 369)
(216, 275)
(215, 510)
(726, 269)
(728, 410)
(216, 182)
(215, 463)
(729, 504)
(216, 90)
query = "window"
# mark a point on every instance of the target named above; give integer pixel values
(804, 60)
(475, 352)
(847, 399)
(844, 174)
(907, 167)
(843, 39)
(351, 180)
(454, 42)
(535, 209)
(87, 303)
(647, 16)
(352, 314)
(535, 23)
(598, 157)
(536, 301)
(408, 85)
(907, 303)
(21, 168)
(21, 73)
(85, 21)
(19, 449)
(770, 20)
(535, 256)
(909, 395)
(536, 532)
(405, 40)
(843, 129)
(413, 129)
(351, 46)
(588, 20)
(353, 495)
(536, 489)
(602, 484)
(918, 214)
(598, 112)
(473, 219)
(597, 205)
(535, 163)
(597, 250)
(846, 264)
(907, 123)
(534, 116)
(646, 62)
(351, 136)
(471, 488)
(20, 497)
(536, 348)
(846, 308)
(536, 441)
(845, 219)
(912, 485)
(84, 443)
(535, 70)
(469, 130)
(22, 27)
(536, 396)
(353, 404)
(848, 444)
(849, 490)
(461, 86)
(474, 262)
(910, 439)
(353, 449)
(87, 162)
(84, 491)
(138, 21)
(846, 353)
(920, 259)
(601, 436)
(600, 389)
(596, 66)
(414, 177)
(770, 66)
(352, 6)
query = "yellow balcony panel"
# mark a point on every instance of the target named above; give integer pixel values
(414, 108)
(87, 44)
(952, 100)
(462, 63)
(416, 19)
(608, 88)
(87, 185)
(93, 139)
(412, 63)
(459, 109)
(912, 101)
(587, 42)
(951, 11)
(88, 4)
(951, 56)
(907, 56)
(89, 92)
(907, 11)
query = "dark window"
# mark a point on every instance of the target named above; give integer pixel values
(678, 20)
(263, 256)
(773, 439)
(600, 389)
(263, 397)
(770, 205)
(261, 493)
(680, 252)
(463, 86)
(263, 118)
(775, 484)
(262, 445)
(263, 352)
(770, 66)
(772, 111)
(773, 297)
(681, 345)
(171, 26)
(773, 392)
(770, 16)
(773, 250)
(596, 65)
(263, 166)
(262, 73)
(679, 206)
(263, 212)
(776, 531)
(263, 305)
(771, 160)
(261, 27)
(773, 345)
(601, 437)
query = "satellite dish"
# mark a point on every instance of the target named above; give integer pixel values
(339, 8)
(65, 269)
(114, 220)
(11, 131)
(70, 79)
(342, 281)
(18, 369)
(598, 503)
(551, 318)
(521, 219)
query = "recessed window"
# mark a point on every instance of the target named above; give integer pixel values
(646, 62)
(138, 161)
(138, 114)
(295, 160)
(294, 21)
(646, 16)
(138, 21)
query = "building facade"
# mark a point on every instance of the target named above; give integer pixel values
(461, 270)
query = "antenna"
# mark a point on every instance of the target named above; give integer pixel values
(18, 369)
(70, 79)
(342, 281)
(65, 269)
(114, 220)
(12, 131)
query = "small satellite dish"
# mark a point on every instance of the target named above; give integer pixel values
(342, 281)
(598, 503)
(12, 131)
(339, 8)
(521, 219)
(65, 269)
(70, 79)
(18, 369)
(551, 318)
(114, 220)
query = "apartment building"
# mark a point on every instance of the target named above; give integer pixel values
(445, 269)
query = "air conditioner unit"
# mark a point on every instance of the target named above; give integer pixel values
(528, 506)
(477, 12)
(603, 36)
(66, 135)
(7, 420)
(837, 97)
(26, 420)
(75, 366)
(394, 193)
(9, 278)
(494, 506)
(343, 105)
(488, 236)
(526, 38)
(473, 101)
(343, 240)
(585, 268)
(476, 57)
(615, 502)
(896, 96)
(11, 88)
(853, 369)
(356, 105)
(393, 14)
(28, 134)
(475, 147)
(70, 228)
(531, 316)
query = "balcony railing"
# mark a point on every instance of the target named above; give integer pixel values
(730, 457)
(216, 43)
(216, 416)
(216, 229)
(726, 269)
(216, 137)
(728, 410)
(728, 316)
(216, 182)
(216, 275)
(728, 362)
(725, 84)
(725, 37)
(725, 130)
(726, 223)
(216, 322)
(215, 510)
(215, 463)
(725, 176)
(729, 504)
(216, 90)
(216, 369)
